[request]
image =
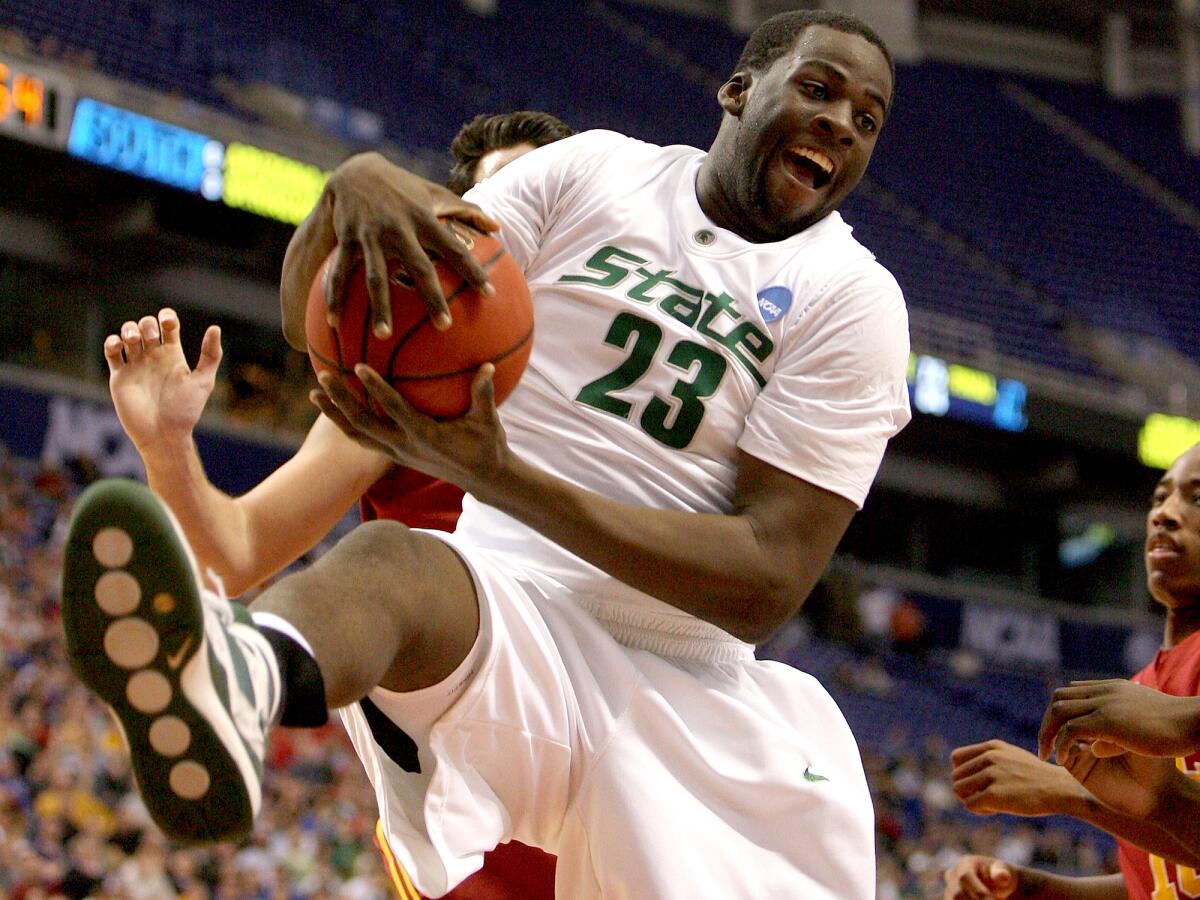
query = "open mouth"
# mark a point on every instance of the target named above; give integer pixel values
(811, 167)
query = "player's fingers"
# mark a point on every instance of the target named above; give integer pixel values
(389, 399)
(331, 411)
(337, 276)
(451, 246)
(1078, 759)
(151, 336)
(131, 337)
(468, 212)
(960, 755)
(1060, 711)
(1001, 878)
(210, 352)
(483, 390)
(1107, 749)
(168, 325)
(114, 352)
(378, 294)
(424, 278)
(972, 765)
(964, 884)
(355, 412)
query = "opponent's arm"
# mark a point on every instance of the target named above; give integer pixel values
(996, 777)
(983, 877)
(1146, 788)
(746, 572)
(374, 211)
(1120, 715)
(159, 400)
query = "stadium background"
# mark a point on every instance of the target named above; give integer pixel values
(1033, 192)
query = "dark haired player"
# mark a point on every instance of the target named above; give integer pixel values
(249, 538)
(718, 368)
(997, 777)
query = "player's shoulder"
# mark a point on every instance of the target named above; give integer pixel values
(600, 145)
(831, 262)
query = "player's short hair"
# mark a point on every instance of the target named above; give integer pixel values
(486, 133)
(778, 34)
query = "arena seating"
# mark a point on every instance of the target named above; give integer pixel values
(996, 192)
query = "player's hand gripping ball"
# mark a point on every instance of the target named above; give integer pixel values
(431, 369)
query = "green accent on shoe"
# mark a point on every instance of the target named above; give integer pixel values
(174, 649)
(812, 776)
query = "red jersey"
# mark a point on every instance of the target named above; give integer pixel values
(1149, 877)
(414, 498)
(512, 871)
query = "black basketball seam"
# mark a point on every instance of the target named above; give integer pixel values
(413, 329)
(397, 379)
(336, 365)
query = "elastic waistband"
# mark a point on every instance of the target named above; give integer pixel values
(677, 637)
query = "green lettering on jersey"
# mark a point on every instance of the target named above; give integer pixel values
(684, 304)
(695, 307)
(613, 274)
(717, 304)
(747, 337)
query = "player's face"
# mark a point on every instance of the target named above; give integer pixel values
(492, 162)
(1173, 534)
(806, 129)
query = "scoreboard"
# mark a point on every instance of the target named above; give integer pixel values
(35, 103)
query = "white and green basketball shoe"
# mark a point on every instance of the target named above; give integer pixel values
(192, 683)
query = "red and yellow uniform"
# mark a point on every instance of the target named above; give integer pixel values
(1149, 877)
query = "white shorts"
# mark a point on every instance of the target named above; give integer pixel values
(649, 777)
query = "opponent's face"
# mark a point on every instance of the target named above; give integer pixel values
(493, 161)
(806, 128)
(1173, 534)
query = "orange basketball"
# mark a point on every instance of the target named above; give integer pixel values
(431, 369)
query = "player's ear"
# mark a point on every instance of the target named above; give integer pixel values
(732, 94)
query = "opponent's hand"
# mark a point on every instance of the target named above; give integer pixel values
(382, 212)
(1118, 715)
(1126, 782)
(996, 777)
(470, 451)
(979, 877)
(158, 397)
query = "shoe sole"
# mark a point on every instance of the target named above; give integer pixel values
(134, 626)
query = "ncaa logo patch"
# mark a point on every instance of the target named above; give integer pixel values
(774, 301)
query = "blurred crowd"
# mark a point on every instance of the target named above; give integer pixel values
(921, 828)
(71, 825)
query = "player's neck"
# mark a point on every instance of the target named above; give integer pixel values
(1182, 622)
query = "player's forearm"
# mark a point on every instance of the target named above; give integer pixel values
(1145, 833)
(213, 522)
(1177, 816)
(1038, 885)
(311, 243)
(711, 565)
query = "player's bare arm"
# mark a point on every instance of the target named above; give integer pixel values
(746, 572)
(1122, 714)
(1145, 787)
(984, 878)
(997, 777)
(159, 399)
(374, 211)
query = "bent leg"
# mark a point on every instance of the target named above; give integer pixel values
(387, 606)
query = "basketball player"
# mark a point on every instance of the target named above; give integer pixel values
(1120, 740)
(997, 777)
(159, 402)
(718, 368)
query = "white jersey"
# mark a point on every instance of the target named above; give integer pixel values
(664, 344)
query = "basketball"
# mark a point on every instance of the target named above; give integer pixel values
(431, 369)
